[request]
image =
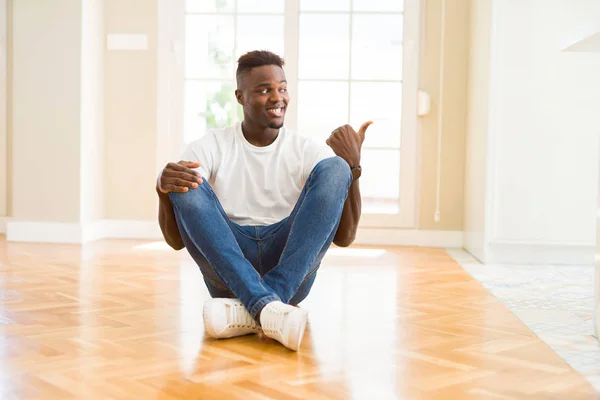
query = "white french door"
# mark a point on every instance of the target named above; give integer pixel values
(347, 61)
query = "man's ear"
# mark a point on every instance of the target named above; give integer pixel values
(239, 96)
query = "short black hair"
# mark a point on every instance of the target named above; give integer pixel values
(256, 58)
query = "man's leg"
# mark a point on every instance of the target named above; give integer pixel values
(312, 226)
(205, 226)
(216, 287)
(271, 245)
(306, 284)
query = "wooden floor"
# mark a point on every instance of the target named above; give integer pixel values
(123, 320)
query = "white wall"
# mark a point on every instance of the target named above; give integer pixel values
(170, 92)
(130, 109)
(477, 126)
(543, 129)
(57, 120)
(45, 110)
(4, 167)
(83, 122)
(92, 112)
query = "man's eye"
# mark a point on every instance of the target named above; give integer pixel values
(264, 91)
(283, 90)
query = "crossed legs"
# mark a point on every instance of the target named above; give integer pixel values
(261, 265)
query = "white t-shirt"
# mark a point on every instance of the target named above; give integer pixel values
(256, 185)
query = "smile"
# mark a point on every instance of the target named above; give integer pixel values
(275, 111)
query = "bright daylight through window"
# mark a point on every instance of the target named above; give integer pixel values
(344, 62)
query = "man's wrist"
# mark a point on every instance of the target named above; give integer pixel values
(356, 172)
(353, 162)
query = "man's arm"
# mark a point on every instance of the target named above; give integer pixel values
(167, 222)
(346, 143)
(175, 177)
(346, 232)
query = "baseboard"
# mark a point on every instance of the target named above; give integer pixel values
(130, 229)
(516, 252)
(474, 243)
(409, 237)
(43, 232)
(74, 233)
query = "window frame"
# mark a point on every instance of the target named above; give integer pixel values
(172, 47)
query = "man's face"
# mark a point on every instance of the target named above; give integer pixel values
(263, 96)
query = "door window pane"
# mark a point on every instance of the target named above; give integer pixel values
(207, 105)
(377, 47)
(324, 46)
(378, 5)
(209, 46)
(320, 109)
(261, 6)
(380, 181)
(380, 102)
(209, 5)
(259, 33)
(320, 5)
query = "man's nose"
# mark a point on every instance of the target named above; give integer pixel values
(275, 96)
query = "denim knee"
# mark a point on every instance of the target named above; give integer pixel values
(335, 172)
(198, 197)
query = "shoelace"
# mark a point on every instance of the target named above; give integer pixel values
(239, 318)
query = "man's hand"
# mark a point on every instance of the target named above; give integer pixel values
(179, 177)
(347, 143)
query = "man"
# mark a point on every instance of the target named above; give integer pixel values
(257, 207)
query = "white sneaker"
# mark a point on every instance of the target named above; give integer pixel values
(284, 323)
(227, 318)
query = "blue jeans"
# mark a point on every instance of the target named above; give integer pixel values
(261, 264)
